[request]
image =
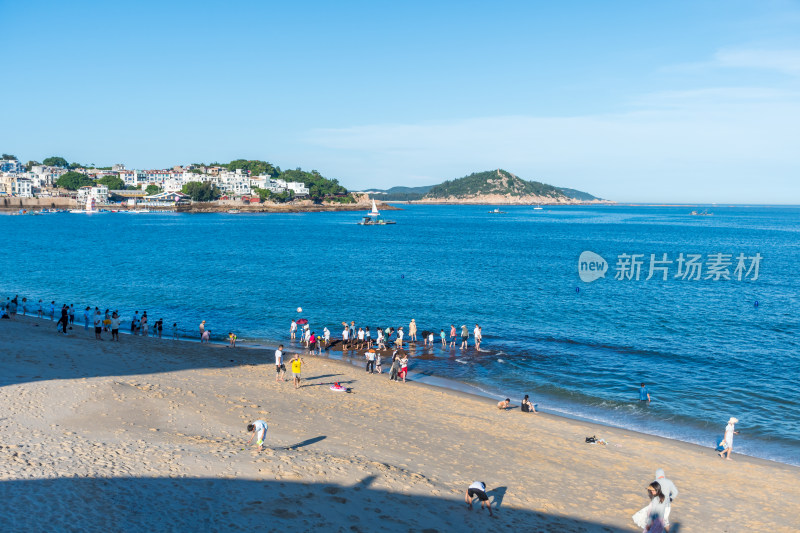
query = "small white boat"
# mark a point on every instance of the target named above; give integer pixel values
(537, 208)
(233, 211)
(374, 218)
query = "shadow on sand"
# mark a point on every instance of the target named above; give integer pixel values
(208, 504)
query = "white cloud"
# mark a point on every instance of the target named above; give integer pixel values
(787, 61)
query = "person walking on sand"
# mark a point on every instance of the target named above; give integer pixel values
(293, 330)
(297, 367)
(464, 336)
(727, 442)
(644, 394)
(71, 314)
(655, 510)
(98, 324)
(24, 306)
(378, 368)
(395, 369)
(370, 355)
(280, 368)
(174, 331)
(202, 328)
(670, 491)
(403, 367)
(412, 331)
(259, 430)
(452, 335)
(478, 488)
(40, 310)
(86, 318)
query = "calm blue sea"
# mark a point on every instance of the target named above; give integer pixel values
(708, 349)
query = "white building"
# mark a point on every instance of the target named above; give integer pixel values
(98, 192)
(14, 185)
(298, 188)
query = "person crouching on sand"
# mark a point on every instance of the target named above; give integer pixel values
(504, 404)
(206, 337)
(258, 428)
(478, 488)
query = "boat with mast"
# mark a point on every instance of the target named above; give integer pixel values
(374, 218)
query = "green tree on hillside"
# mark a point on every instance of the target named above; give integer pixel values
(152, 189)
(201, 192)
(73, 181)
(9, 156)
(114, 183)
(255, 167)
(55, 162)
(318, 186)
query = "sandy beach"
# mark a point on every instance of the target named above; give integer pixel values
(149, 435)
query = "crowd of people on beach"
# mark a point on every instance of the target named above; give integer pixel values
(107, 321)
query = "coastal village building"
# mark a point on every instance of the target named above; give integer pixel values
(13, 185)
(11, 166)
(41, 180)
(98, 192)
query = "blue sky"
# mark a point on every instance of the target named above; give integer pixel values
(683, 101)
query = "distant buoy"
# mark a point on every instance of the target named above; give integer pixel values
(299, 309)
(756, 304)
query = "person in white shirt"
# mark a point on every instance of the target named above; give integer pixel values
(728, 442)
(259, 428)
(478, 488)
(280, 367)
(399, 340)
(115, 327)
(326, 334)
(345, 338)
(293, 329)
(476, 334)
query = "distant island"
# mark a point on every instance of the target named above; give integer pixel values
(488, 187)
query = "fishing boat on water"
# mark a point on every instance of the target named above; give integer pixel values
(374, 218)
(497, 211)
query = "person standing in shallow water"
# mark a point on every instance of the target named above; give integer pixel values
(412, 331)
(644, 394)
(464, 336)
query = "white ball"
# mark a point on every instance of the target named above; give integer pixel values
(299, 309)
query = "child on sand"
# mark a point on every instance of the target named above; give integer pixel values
(259, 427)
(231, 339)
(478, 488)
(504, 404)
